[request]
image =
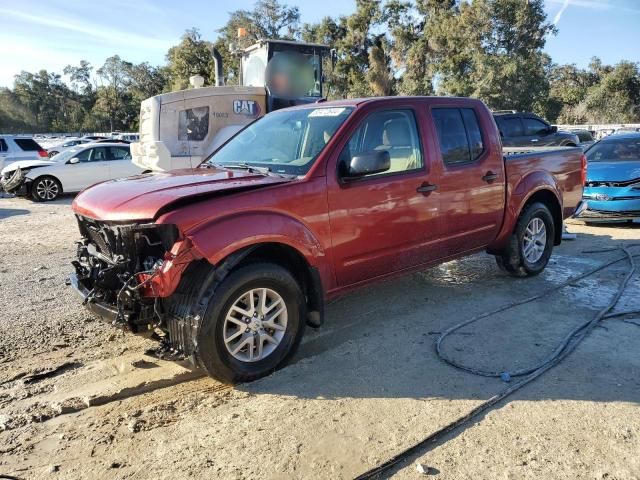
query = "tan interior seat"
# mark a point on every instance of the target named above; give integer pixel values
(396, 139)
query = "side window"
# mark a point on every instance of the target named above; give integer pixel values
(474, 134)
(119, 153)
(510, 127)
(99, 154)
(193, 124)
(534, 127)
(3, 145)
(452, 135)
(392, 130)
(83, 156)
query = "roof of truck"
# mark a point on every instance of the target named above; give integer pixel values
(355, 102)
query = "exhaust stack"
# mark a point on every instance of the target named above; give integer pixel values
(217, 61)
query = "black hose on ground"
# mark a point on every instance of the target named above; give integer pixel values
(565, 348)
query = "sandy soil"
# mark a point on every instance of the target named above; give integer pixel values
(364, 387)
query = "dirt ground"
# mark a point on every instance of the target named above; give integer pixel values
(361, 389)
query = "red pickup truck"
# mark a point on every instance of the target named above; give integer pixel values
(228, 262)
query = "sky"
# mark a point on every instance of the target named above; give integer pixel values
(50, 34)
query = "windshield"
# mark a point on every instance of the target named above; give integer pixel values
(286, 142)
(615, 150)
(66, 155)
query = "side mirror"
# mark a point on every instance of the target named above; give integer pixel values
(553, 129)
(368, 163)
(74, 160)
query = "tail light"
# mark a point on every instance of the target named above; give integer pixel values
(43, 154)
(583, 169)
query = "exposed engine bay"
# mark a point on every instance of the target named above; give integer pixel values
(118, 267)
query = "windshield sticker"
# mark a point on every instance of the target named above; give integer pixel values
(326, 112)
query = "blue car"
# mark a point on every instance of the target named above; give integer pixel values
(612, 189)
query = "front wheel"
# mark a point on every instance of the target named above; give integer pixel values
(531, 243)
(254, 322)
(45, 189)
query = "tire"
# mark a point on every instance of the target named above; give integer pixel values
(45, 189)
(525, 256)
(53, 153)
(216, 356)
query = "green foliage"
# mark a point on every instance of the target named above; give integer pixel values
(489, 49)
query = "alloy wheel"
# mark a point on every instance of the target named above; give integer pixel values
(534, 240)
(47, 189)
(255, 324)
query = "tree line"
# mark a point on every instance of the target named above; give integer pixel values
(489, 49)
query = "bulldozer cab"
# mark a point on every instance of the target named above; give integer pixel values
(291, 72)
(180, 129)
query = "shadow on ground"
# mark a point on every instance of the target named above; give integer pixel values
(379, 342)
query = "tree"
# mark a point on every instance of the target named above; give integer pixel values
(112, 94)
(269, 19)
(192, 56)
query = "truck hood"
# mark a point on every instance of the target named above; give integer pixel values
(142, 197)
(25, 165)
(617, 171)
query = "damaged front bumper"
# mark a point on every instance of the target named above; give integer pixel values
(15, 182)
(123, 273)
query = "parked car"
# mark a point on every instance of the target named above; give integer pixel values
(585, 137)
(524, 129)
(612, 191)
(14, 148)
(95, 137)
(625, 130)
(70, 171)
(305, 204)
(53, 151)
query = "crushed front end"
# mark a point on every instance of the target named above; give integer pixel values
(124, 271)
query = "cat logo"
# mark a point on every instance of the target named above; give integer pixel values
(250, 108)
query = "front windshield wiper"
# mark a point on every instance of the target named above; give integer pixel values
(248, 168)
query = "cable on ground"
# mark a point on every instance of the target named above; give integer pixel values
(564, 348)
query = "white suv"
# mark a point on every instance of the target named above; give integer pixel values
(14, 148)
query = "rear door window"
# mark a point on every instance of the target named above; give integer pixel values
(459, 135)
(510, 127)
(474, 134)
(119, 153)
(3, 145)
(534, 127)
(28, 145)
(452, 135)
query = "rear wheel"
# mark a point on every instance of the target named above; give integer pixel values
(254, 322)
(45, 189)
(531, 243)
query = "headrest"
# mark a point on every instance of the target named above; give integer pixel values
(396, 133)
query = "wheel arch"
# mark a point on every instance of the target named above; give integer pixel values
(549, 199)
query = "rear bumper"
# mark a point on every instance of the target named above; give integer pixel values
(108, 313)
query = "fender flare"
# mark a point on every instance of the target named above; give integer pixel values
(220, 238)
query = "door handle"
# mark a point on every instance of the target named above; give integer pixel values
(489, 177)
(427, 188)
(534, 139)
